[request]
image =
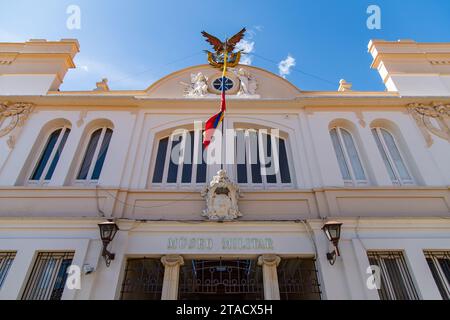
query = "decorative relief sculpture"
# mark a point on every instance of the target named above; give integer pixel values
(81, 118)
(248, 84)
(13, 115)
(198, 86)
(221, 198)
(344, 85)
(434, 118)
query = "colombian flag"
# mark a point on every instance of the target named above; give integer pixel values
(216, 120)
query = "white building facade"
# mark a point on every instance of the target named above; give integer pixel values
(377, 162)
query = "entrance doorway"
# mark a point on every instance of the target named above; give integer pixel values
(221, 280)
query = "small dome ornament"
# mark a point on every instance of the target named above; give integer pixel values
(221, 197)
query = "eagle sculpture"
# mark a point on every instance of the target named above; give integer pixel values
(216, 59)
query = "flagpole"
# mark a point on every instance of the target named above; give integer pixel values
(223, 139)
(224, 92)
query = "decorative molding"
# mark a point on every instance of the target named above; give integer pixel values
(102, 85)
(81, 118)
(221, 198)
(269, 260)
(198, 87)
(7, 58)
(344, 86)
(440, 62)
(11, 142)
(423, 115)
(172, 261)
(247, 82)
(360, 117)
(13, 115)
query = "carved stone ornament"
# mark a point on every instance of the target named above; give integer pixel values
(433, 118)
(198, 86)
(13, 115)
(248, 83)
(221, 198)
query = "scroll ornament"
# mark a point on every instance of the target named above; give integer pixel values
(13, 115)
(433, 118)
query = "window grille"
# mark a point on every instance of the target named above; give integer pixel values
(439, 263)
(221, 280)
(143, 280)
(48, 276)
(297, 279)
(396, 281)
(6, 260)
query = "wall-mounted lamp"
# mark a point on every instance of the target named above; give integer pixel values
(332, 230)
(108, 230)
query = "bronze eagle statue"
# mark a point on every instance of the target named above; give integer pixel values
(220, 48)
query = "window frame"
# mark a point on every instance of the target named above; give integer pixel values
(264, 185)
(353, 181)
(178, 185)
(398, 180)
(37, 159)
(88, 181)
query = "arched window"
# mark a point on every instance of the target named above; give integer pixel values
(45, 166)
(262, 159)
(94, 155)
(348, 157)
(179, 160)
(393, 159)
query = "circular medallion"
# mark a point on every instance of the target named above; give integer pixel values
(223, 83)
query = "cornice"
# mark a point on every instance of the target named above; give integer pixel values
(311, 100)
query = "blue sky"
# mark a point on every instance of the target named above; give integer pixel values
(134, 43)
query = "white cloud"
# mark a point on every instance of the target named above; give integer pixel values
(258, 28)
(247, 60)
(247, 48)
(285, 66)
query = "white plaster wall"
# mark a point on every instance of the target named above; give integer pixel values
(123, 122)
(314, 162)
(344, 280)
(32, 85)
(428, 173)
(421, 84)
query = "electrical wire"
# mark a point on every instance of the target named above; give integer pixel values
(310, 232)
(201, 52)
(296, 70)
(153, 68)
(99, 210)
(357, 234)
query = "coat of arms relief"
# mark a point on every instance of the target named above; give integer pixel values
(221, 196)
